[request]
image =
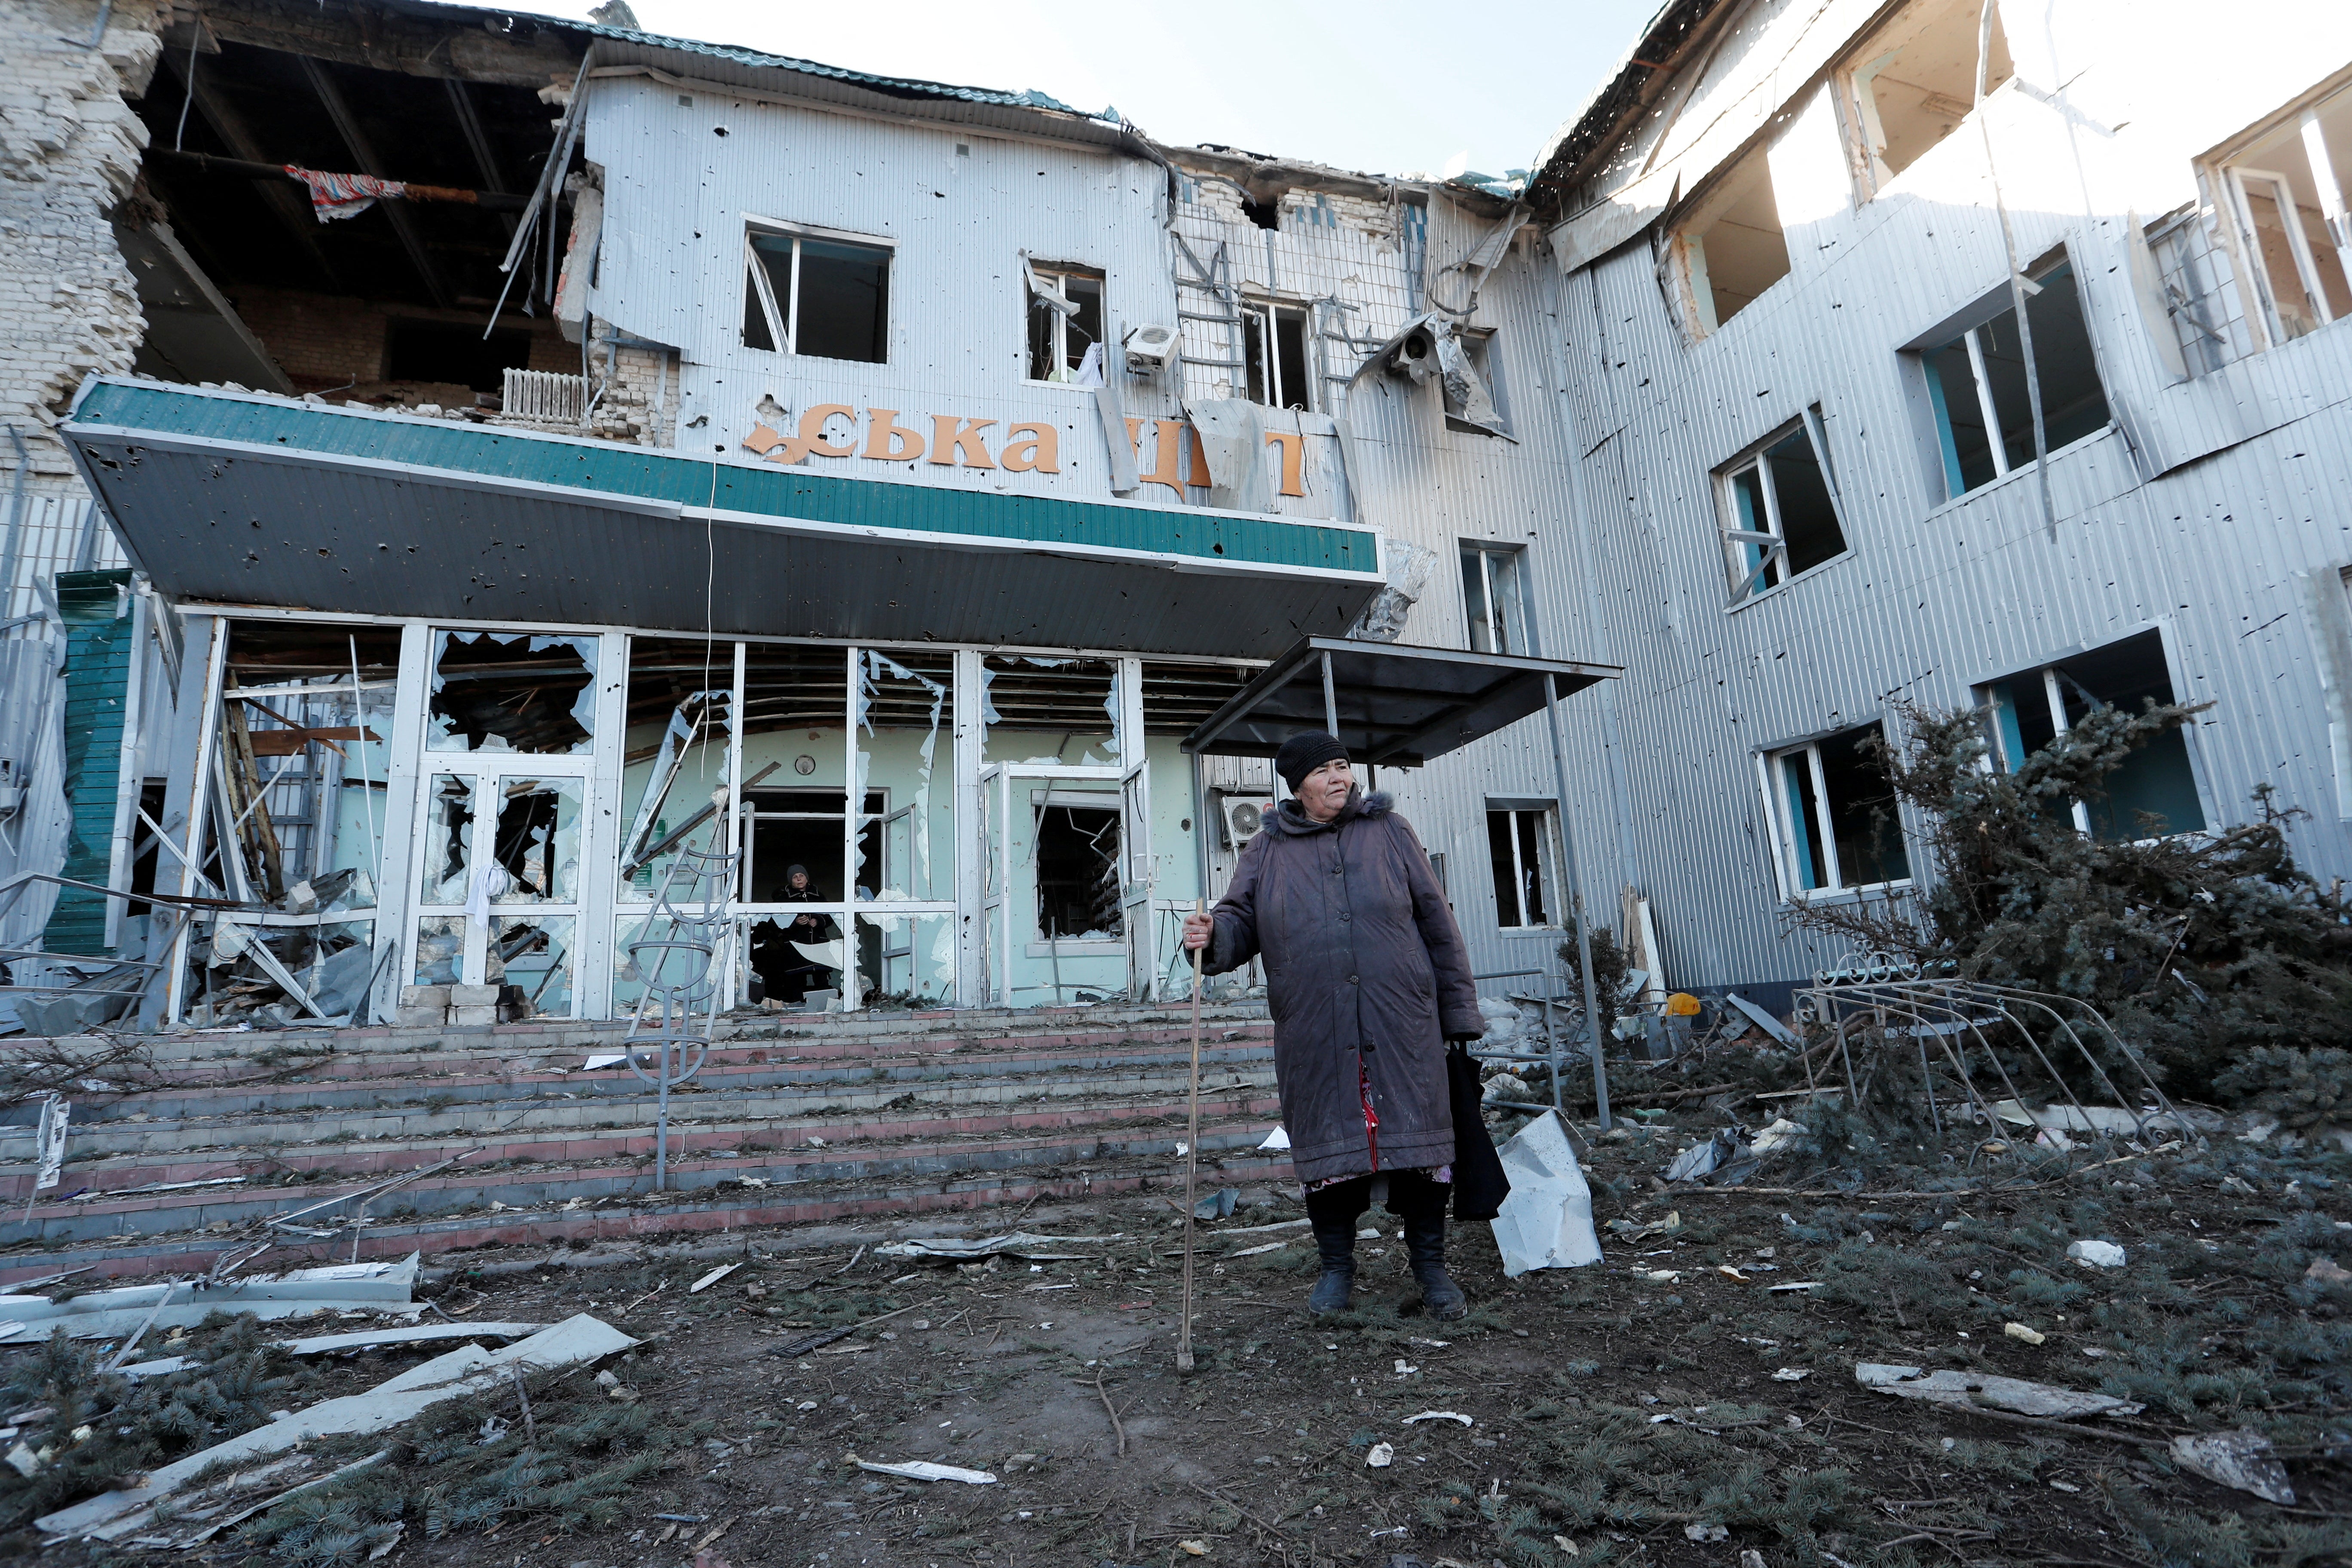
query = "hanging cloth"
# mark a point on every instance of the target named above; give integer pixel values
(343, 196)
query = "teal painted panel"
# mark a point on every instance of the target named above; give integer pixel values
(97, 682)
(644, 474)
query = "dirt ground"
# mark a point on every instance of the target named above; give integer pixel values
(1665, 1405)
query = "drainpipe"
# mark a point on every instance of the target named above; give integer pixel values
(15, 525)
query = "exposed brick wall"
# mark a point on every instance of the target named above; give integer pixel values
(69, 151)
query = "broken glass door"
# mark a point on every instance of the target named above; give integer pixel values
(1137, 873)
(498, 885)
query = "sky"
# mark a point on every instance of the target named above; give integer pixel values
(1376, 84)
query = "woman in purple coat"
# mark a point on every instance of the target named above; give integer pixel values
(1367, 978)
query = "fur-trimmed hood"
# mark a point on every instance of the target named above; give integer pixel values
(1292, 818)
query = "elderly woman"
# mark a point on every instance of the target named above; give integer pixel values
(1367, 979)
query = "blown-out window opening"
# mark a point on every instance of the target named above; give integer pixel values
(1914, 81)
(1066, 319)
(2286, 196)
(2153, 792)
(1731, 249)
(1494, 598)
(1781, 513)
(821, 296)
(1273, 348)
(1977, 382)
(1518, 847)
(1834, 813)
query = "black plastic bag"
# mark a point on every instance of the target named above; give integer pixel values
(1479, 1184)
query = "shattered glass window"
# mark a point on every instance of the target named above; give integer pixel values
(533, 954)
(1976, 384)
(1049, 711)
(906, 960)
(537, 840)
(906, 773)
(440, 951)
(498, 691)
(447, 870)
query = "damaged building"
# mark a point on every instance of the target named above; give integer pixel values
(471, 469)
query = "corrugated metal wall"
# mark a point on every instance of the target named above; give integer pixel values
(2191, 515)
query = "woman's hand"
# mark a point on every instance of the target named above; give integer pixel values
(1198, 929)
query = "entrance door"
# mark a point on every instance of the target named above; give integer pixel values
(1138, 879)
(498, 878)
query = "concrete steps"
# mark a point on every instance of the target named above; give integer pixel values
(790, 1119)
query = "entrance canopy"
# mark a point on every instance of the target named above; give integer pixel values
(1388, 704)
(240, 499)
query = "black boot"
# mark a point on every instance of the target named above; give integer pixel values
(1425, 1237)
(1333, 1211)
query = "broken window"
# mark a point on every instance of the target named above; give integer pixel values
(1518, 842)
(1780, 509)
(1835, 809)
(495, 691)
(1273, 345)
(1478, 347)
(1732, 249)
(906, 960)
(1077, 851)
(1494, 598)
(537, 840)
(1917, 81)
(1045, 711)
(904, 731)
(1976, 382)
(533, 955)
(2286, 198)
(823, 297)
(448, 871)
(1066, 317)
(674, 755)
(2154, 790)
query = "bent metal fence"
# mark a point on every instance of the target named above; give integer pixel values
(1868, 1016)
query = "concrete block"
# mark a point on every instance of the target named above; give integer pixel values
(431, 1017)
(423, 996)
(462, 1017)
(473, 996)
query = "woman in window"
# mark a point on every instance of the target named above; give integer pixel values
(1367, 979)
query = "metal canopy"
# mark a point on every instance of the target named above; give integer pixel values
(242, 500)
(1388, 704)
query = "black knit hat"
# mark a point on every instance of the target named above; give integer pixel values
(1304, 753)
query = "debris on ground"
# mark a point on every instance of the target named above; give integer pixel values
(2240, 1458)
(925, 1471)
(2011, 1394)
(1547, 1220)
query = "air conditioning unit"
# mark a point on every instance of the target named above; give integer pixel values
(1150, 350)
(1243, 817)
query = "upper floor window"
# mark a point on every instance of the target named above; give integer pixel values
(816, 294)
(1916, 80)
(2154, 790)
(1066, 319)
(2285, 195)
(1731, 249)
(1275, 350)
(1976, 382)
(1780, 509)
(1834, 807)
(1494, 598)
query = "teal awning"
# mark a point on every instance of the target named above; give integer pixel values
(243, 499)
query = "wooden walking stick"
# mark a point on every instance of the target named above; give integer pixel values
(1191, 1170)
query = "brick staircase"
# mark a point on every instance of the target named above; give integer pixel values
(793, 1118)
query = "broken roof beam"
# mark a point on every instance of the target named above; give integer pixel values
(486, 158)
(495, 46)
(404, 224)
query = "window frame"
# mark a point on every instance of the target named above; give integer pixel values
(1486, 550)
(1736, 541)
(1990, 307)
(1270, 312)
(784, 316)
(2054, 677)
(1060, 325)
(1543, 812)
(2225, 170)
(1771, 766)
